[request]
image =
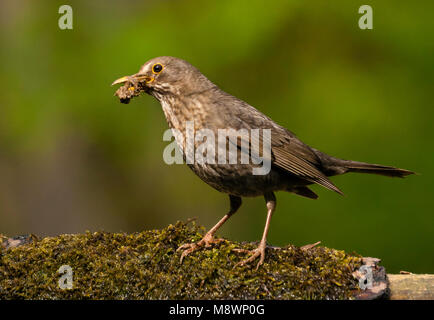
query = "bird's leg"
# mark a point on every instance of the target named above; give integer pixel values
(270, 199)
(208, 240)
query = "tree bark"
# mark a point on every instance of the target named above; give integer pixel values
(411, 286)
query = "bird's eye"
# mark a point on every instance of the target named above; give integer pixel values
(157, 68)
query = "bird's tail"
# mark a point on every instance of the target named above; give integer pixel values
(355, 166)
(335, 166)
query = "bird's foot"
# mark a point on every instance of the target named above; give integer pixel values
(255, 253)
(206, 242)
(307, 247)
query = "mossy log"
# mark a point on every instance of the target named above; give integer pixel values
(146, 265)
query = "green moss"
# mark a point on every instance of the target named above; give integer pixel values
(146, 266)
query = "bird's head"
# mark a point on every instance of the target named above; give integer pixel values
(162, 77)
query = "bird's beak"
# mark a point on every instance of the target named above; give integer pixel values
(134, 78)
(120, 80)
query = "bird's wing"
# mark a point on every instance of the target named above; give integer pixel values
(296, 158)
(287, 151)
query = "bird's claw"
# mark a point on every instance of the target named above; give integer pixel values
(255, 253)
(206, 242)
(307, 247)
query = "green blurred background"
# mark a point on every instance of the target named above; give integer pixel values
(72, 158)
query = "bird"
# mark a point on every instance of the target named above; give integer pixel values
(186, 96)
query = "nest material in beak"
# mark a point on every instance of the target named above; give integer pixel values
(130, 90)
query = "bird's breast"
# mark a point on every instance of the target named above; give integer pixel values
(183, 114)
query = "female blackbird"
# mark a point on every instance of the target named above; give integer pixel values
(187, 97)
